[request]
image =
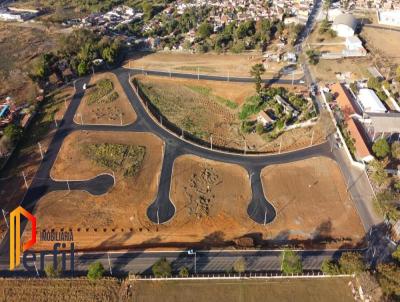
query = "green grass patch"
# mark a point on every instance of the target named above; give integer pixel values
(208, 92)
(127, 159)
(101, 93)
(200, 89)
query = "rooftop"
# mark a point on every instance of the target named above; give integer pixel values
(343, 99)
(370, 101)
(362, 150)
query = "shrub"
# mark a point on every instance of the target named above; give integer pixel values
(381, 148)
(260, 128)
(291, 262)
(96, 271)
(240, 265)
(162, 268)
(183, 272)
(329, 267)
(51, 272)
(351, 263)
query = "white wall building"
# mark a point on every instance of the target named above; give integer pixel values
(388, 17)
(345, 25)
(370, 102)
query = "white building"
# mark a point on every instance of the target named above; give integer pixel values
(388, 17)
(264, 119)
(345, 25)
(370, 102)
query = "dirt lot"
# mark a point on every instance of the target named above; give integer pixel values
(353, 68)
(311, 200)
(332, 289)
(26, 157)
(18, 47)
(204, 110)
(210, 63)
(109, 113)
(210, 197)
(383, 43)
(114, 216)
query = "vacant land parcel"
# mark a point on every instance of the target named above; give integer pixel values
(311, 201)
(105, 102)
(333, 289)
(205, 110)
(134, 158)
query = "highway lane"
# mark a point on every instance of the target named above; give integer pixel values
(193, 76)
(207, 261)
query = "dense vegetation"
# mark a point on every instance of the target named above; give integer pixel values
(127, 159)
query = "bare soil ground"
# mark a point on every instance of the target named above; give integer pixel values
(18, 47)
(324, 289)
(210, 63)
(211, 200)
(356, 68)
(27, 156)
(204, 114)
(106, 113)
(382, 43)
(311, 201)
(113, 217)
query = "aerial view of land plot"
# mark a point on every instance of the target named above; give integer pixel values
(250, 290)
(205, 110)
(105, 103)
(212, 64)
(311, 199)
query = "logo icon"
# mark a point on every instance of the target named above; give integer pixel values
(15, 233)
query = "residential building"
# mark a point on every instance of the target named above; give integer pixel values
(287, 107)
(362, 152)
(381, 125)
(370, 102)
(344, 100)
(345, 25)
(388, 17)
(265, 119)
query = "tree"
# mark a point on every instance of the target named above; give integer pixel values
(351, 263)
(13, 132)
(183, 272)
(396, 254)
(329, 267)
(96, 271)
(379, 174)
(396, 150)
(381, 148)
(257, 71)
(260, 128)
(374, 83)
(389, 279)
(108, 55)
(240, 265)
(204, 31)
(291, 262)
(162, 268)
(398, 73)
(51, 272)
(83, 68)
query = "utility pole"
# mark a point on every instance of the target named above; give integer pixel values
(26, 183)
(312, 138)
(109, 263)
(192, 252)
(280, 146)
(265, 216)
(55, 121)
(211, 142)
(80, 114)
(292, 78)
(40, 149)
(228, 76)
(120, 115)
(161, 120)
(245, 146)
(198, 73)
(69, 189)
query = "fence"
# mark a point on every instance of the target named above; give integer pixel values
(308, 275)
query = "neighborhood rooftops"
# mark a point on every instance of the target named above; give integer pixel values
(370, 101)
(362, 150)
(343, 99)
(385, 122)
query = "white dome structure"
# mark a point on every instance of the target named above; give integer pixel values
(345, 25)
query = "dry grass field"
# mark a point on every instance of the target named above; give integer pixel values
(204, 110)
(112, 108)
(76, 290)
(26, 158)
(311, 201)
(227, 64)
(18, 47)
(40, 290)
(299, 290)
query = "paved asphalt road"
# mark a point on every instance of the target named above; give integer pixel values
(162, 209)
(207, 262)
